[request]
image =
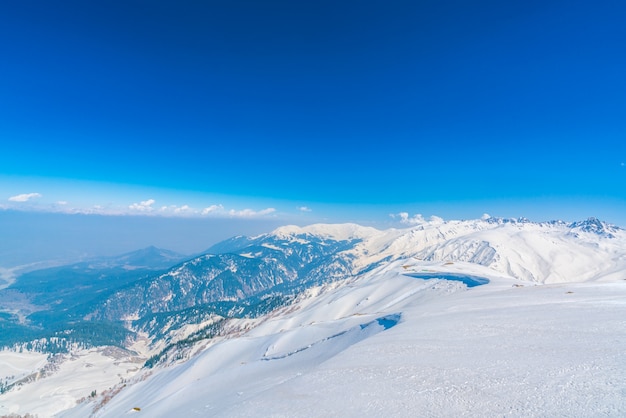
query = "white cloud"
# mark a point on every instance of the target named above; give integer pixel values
(248, 213)
(416, 219)
(177, 210)
(405, 219)
(143, 206)
(436, 220)
(24, 197)
(485, 216)
(183, 209)
(146, 207)
(305, 209)
(217, 210)
(212, 209)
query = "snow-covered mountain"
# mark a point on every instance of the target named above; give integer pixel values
(549, 252)
(237, 270)
(294, 257)
(277, 322)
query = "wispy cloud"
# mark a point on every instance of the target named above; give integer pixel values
(215, 210)
(146, 207)
(436, 220)
(24, 197)
(305, 209)
(143, 206)
(250, 213)
(416, 219)
(212, 209)
(404, 218)
(183, 209)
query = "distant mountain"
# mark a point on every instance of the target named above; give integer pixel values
(42, 302)
(291, 259)
(229, 245)
(241, 268)
(595, 226)
(590, 225)
(150, 258)
(96, 274)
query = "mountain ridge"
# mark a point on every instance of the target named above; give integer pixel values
(306, 291)
(292, 258)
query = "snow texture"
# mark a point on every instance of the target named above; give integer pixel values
(544, 337)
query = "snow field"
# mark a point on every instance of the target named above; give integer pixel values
(543, 338)
(75, 377)
(19, 365)
(520, 352)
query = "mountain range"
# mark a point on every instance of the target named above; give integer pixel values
(284, 304)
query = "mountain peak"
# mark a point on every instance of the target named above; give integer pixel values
(152, 250)
(595, 226)
(339, 232)
(149, 256)
(499, 221)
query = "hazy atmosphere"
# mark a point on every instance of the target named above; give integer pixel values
(301, 112)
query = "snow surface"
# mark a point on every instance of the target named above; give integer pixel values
(502, 349)
(339, 232)
(545, 336)
(14, 366)
(71, 378)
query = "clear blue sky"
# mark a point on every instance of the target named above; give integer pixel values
(315, 110)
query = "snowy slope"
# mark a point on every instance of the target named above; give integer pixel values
(495, 350)
(543, 338)
(338, 232)
(552, 252)
(549, 252)
(61, 382)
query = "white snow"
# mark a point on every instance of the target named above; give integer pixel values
(14, 366)
(502, 349)
(339, 232)
(535, 252)
(270, 246)
(63, 383)
(545, 337)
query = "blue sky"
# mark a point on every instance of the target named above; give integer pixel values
(314, 110)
